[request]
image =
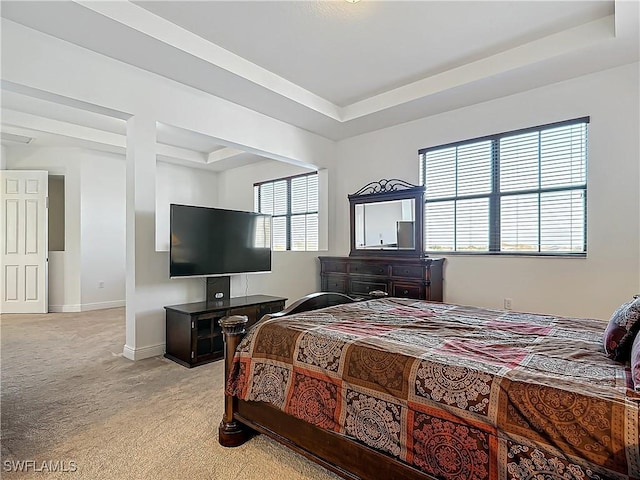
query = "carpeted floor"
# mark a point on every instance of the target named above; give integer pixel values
(68, 396)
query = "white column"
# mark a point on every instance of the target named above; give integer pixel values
(140, 227)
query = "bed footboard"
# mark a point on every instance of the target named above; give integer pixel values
(314, 301)
(231, 432)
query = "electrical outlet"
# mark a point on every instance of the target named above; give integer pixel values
(507, 304)
(100, 284)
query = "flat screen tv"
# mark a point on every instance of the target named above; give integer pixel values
(214, 241)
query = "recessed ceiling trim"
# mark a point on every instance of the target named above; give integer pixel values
(58, 127)
(144, 21)
(54, 139)
(55, 98)
(527, 54)
(157, 27)
(11, 137)
(455, 86)
(16, 126)
(222, 154)
(171, 151)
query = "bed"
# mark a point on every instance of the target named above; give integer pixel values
(399, 388)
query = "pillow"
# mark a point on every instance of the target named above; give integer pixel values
(635, 363)
(621, 330)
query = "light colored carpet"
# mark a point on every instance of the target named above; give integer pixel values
(68, 395)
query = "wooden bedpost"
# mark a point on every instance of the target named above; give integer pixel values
(231, 433)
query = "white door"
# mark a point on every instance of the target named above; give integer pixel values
(23, 263)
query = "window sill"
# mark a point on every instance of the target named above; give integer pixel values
(505, 254)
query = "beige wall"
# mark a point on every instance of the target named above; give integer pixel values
(293, 274)
(583, 287)
(587, 287)
(65, 267)
(3, 157)
(77, 74)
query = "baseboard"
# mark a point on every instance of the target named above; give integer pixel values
(102, 305)
(65, 308)
(85, 307)
(143, 352)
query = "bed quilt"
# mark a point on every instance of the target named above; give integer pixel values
(458, 392)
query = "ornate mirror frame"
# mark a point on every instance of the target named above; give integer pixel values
(387, 191)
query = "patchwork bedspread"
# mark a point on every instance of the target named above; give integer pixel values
(458, 392)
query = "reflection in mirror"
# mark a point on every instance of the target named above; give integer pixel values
(385, 225)
(386, 219)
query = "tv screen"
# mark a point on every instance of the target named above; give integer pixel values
(213, 241)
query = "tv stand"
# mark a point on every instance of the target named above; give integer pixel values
(194, 336)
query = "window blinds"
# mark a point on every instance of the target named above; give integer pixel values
(293, 203)
(516, 192)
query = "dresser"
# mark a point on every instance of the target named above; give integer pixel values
(419, 278)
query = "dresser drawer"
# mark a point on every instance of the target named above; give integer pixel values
(333, 283)
(399, 276)
(407, 291)
(363, 287)
(407, 271)
(369, 269)
(334, 267)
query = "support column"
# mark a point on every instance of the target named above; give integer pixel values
(140, 226)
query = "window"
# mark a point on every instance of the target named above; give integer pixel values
(293, 203)
(521, 192)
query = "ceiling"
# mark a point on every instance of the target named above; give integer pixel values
(334, 68)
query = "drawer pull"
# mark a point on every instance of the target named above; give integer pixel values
(405, 292)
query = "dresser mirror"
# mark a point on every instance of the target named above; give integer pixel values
(386, 219)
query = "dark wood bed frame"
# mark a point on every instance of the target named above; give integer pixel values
(340, 454)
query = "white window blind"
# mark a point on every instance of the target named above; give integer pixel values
(515, 192)
(293, 203)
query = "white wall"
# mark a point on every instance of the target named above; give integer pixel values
(3, 157)
(586, 287)
(75, 74)
(102, 226)
(181, 185)
(589, 287)
(94, 226)
(78, 74)
(189, 186)
(65, 268)
(154, 288)
(293, 274)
